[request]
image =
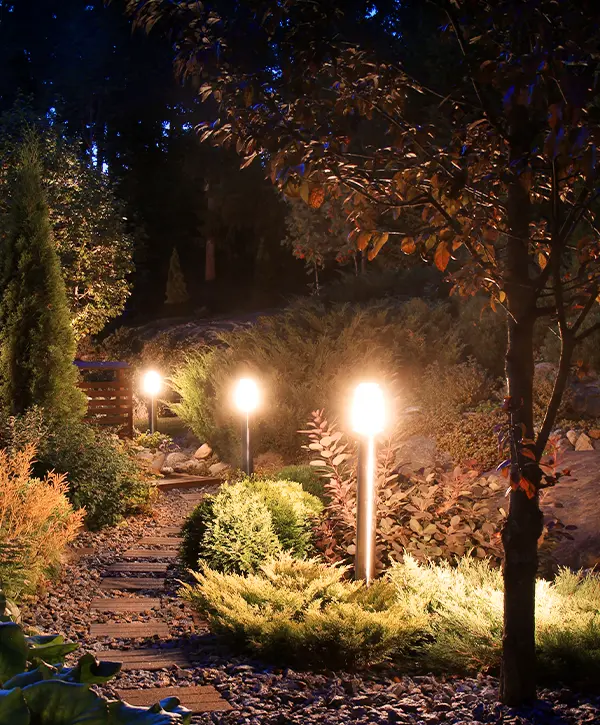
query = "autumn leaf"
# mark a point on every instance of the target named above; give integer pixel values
(378, 241)
(442, 256)
(528, 487)
(408, 245)
(363, 240)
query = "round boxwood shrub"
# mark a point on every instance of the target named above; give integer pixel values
(240, 534)
(306, 476)
(248, 521)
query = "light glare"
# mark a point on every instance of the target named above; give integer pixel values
(368, 409)
(246, 395)
(152, 383)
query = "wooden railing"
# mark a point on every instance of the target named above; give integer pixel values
(109, 390)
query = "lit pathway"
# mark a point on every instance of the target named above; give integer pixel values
(145, 571)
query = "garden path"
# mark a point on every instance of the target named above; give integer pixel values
(154, 558)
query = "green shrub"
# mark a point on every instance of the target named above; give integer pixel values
(104, 476)
(292, 512)
(483, 331)
(465, 603)
(248, 521)
(303, 613)
(194, 530)
(306, 476)
(240, 535)
(154, 441)
(308, 357)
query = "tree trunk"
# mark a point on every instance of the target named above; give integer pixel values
(523, 526)
(520, 537)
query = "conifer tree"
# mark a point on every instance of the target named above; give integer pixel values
(37, 345)
(177, 293)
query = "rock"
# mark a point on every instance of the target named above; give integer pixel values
(166, 470)
(416, 453)
(572, 436)
(584, 443)
(175, 458)
(594, 433)
(218, 468)
(158, 461)
(145, 455)
(203, 452)
(192, 468)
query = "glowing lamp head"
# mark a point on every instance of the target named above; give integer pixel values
(368, 409)
(246, 395)
(152, 383)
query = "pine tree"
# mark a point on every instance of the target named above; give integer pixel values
(37, 346)
(177, 293)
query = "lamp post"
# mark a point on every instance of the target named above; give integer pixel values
(152, 387)
(246, 400)
(368, 420)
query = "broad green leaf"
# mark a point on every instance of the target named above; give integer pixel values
(43, 672)
(62, 703)
(13, 710)
(13, 650)
(49, 648)
(90, 671)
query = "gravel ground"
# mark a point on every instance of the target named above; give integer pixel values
(262, 695)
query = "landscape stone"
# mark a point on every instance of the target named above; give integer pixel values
(218, 468)
(158, 461)
(192, 468)
(203, 452)
(174, 458)
(572, 436)
(584, 443)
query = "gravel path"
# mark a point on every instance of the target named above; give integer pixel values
(262, 695)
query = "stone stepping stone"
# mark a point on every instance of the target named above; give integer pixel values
(168, 531)
(202, 698)
(130, 630)
(124, 604)
(150, 554)
(149, 566)
(146, 659)
(160, 541)
(139, 583)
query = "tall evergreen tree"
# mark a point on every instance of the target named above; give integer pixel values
(177, 293)
(37, 346)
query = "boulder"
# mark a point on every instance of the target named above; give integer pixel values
(158, 461)
(192, 468)
(203, 452)
(175, 458)
(572, 436)
(218, 469)
(584, 443)
(145, 455)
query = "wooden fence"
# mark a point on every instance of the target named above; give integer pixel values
(109, 390)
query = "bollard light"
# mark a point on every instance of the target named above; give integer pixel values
(368, 420)
(247, 398)
(152, 385)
